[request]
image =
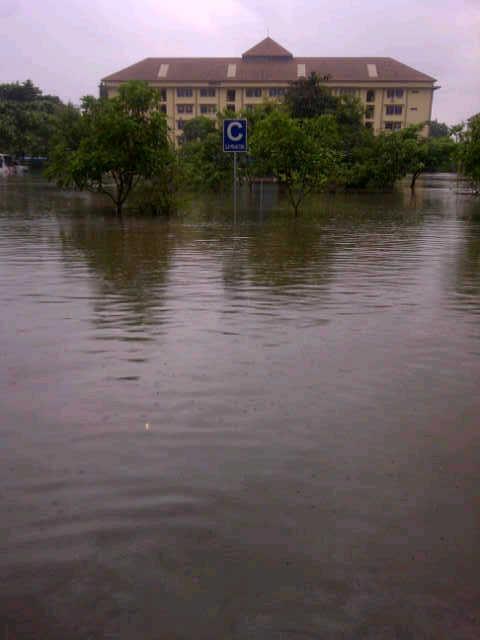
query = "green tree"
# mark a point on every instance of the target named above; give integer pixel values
(291, 150)
(197, 129)
(206, 167)
(469, 152)
(28, 119)
(113, 144)
(248, 168)
(430, 154)
(380, 160)
(438, 129)
(308, 98)
(159, 194)
(20, 92)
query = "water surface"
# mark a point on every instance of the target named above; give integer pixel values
(267, 430)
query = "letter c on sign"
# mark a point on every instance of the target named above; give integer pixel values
(232, 136)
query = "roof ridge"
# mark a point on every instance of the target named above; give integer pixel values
(267, 48)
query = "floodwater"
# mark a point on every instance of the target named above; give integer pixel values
(260, 431)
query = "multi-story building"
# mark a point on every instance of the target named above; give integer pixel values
(394, 94)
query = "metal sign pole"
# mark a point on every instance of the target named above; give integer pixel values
(234, 140)
(235, 186)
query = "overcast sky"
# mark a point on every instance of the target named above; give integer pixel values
(66, 46)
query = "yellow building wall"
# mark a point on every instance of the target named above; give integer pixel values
(416, 101)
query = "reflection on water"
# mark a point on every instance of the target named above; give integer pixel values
(310, 466)
(130, 264)
(468, 261)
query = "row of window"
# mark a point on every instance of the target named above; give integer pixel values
(209, 92)
(390, 109)
(395, 93)
(388, 125)
(391, 93)
(394, 109)
(273, 92)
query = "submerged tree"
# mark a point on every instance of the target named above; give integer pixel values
(469, 152)
(113, 144)
(293, 152)
(428, 154)
(206, 167)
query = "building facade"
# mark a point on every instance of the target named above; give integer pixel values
(394, 95)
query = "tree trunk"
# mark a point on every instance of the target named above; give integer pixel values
(414, 179)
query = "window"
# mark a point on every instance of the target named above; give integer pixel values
(184, 92)
(184, 108)
(394, 109)
(415, 91)
(163, 95)
(393, 125)
(369, 125)
(230, 107)
(208, 108)
(347, 91)
(413, 109)
(276, 92)
(180, 124)
(163, 108)
(208, 92)
(231, 95)
(249, 107)
(253, 93)
(394, 93)
(370, 95)
(370, 112)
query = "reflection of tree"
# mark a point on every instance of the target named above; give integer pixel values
(467, 275)
(130, 260)
(290, 254)
(280, 253)
(284, 253)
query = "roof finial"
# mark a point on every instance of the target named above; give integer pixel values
(268, 31)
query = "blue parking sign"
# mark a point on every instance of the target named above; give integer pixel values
(235, 135)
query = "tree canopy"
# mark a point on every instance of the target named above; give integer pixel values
(113, 143)
(469, 152)
(308, 98)
(28, 119)
(438, 129)
(294, 152)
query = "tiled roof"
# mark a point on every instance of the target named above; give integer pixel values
(267, 48)
(267, 62)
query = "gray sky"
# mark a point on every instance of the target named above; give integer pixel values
(66, 46)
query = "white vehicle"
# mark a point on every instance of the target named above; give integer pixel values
(9, 167)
